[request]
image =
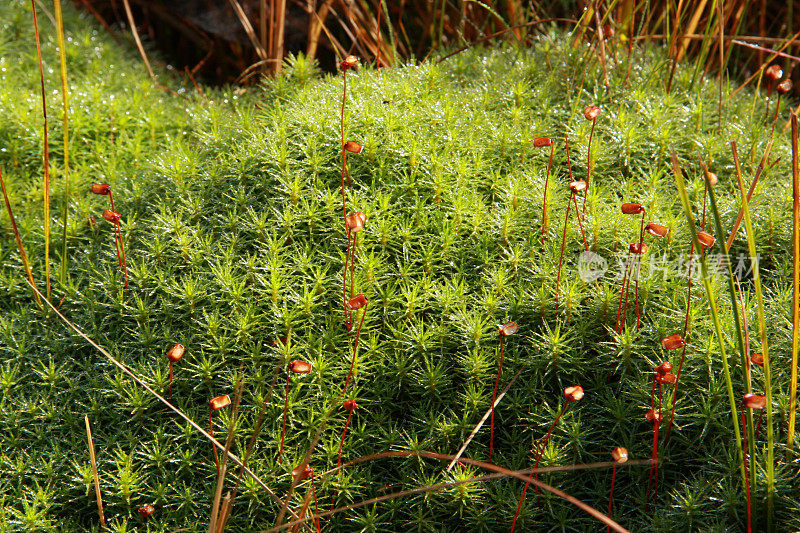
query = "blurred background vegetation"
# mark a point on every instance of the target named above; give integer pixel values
(232, 40)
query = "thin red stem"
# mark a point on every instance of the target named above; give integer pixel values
(631, 260)
(494, 398)
(611, 494)
(355, 350)
(531, 476)
(347, 313)
(341, 444)
(569, 161)
(588, 165)
(544, 201)
(316, 509)
(124, 260)
(211, 432)
(169, 395)
(115, 230)
(746, 478)
(580, 222)
(618, 326)
(563, 244)
(653, 466)
(353, 261)
(685, 321)
(283, 426)
(775, 118)
(638, 267)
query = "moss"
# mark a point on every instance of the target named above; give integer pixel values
(231, 218)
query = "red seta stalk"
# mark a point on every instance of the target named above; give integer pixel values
(215, 404)
(283, 424)
(662, 376)
(638, 268)
(505, 331)
(571, 394)
(354, 304)
(112, 216)
(174, 355)
(581, 186)
(746, 477)
(350, 62)
(711, 177)
(347, 315)
(538, 143)
(655, 417)
(349, 406)
(297, 367)
(619, 325)
(589, 113)
(580, 222)
(575, 187)
(619, 455)
(301, 473)
(563, 245)
(631, 268)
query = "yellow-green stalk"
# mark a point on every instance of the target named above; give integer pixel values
(795, 279)
(46, 155)
(62, 60)
(712, 303)
(751, 245)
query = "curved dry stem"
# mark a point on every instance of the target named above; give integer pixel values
(477, 428)
(163, 400)
(499, 472)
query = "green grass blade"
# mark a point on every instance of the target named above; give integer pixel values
(737, 320)
(712, 302)
(751, 245)
(62, 60)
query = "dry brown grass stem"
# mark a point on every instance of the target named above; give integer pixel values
(231, 497)
(485, 417)
(96, 478)
(499, 472)
(700, 37)
(248, 28)
(786, 43)
(135, 32)
(216, 522)
(125, 370)
(765, 49)
(740, 216)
